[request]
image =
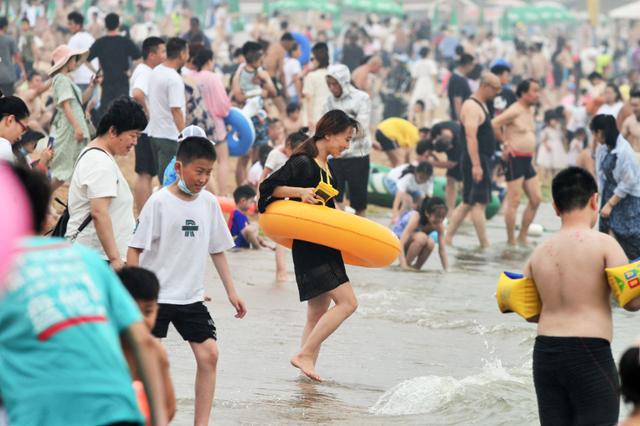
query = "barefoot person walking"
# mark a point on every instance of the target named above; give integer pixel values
(516, 128)
(320, 271)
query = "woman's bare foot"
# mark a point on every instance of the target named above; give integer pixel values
(305, 364)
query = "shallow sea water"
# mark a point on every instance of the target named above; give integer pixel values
(424, 348)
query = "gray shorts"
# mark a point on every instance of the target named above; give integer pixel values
(163, 151)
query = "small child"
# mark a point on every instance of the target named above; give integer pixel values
(552, 156)
(574, 372)
(245, 233)
(178, 227)
(578, 143)
(409, 184)
(417, 116)
(276, 132)
(292, 122)
(143, 286)
(629, 367)
(417, 229)
(255, 172)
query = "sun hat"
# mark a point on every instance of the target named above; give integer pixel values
(61, 56)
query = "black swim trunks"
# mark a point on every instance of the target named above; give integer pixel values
(386, 143)
(576, 381)
(193, 322)
(476, 192)
(351, 175)
(519, 166)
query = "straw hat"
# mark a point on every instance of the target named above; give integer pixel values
(61, 56)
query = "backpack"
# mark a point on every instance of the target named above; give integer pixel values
(60, 230)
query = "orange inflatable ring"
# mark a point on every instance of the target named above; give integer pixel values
(361, 241)
(227, 205)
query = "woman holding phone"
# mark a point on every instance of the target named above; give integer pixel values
(320, 271)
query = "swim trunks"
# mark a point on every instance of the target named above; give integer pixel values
(476, 192)
(576, 381)
(193, 322)
(386, 143)
(519, 165)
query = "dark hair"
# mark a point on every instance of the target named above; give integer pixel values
(76, 17)
(30, 136)
(243, 191)
(38, 191)
(607, 124)
(33, 74)
(499, 69)
(287, 37)
(112, 21)
(13, 105)
(424, 130)
(431, 205)
(634, 93)
(572, 188)
(524, 86)
(421, 103)
(441, 145)
(194, 21)
(296, 138)
(331, 123)
(175, 46)
(263, 153)
(25, 19)
(580, 131)
(422, 167)
(4, 22)
(465, 59)
(203, 56)
(616, 90)
(141, 283)
(550, 114)
(424, 52)
(124, 114)
(195, 148)
(594, 75)
(320, 52)
(293, 48)
(424, 146)
(273, 121)
(150, 45)
(292, 107)
(459, 50)
(251, 51)
(629, 367)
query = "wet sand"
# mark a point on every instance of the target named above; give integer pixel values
(423, 347)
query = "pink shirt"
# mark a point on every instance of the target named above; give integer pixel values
(215, 98)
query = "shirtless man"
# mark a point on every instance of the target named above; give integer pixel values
(273, 63)
(631, 125)
(40, 118)
(479, 146)
(360, 76)
(515, 127)
(574, 372)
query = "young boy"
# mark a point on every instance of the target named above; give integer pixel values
(573, 370)
(143, 286)
(244, 233)
(178, 226)
(293, 121)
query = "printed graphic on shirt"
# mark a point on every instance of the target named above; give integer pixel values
(190, 228)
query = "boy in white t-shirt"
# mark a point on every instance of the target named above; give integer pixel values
(178, 226)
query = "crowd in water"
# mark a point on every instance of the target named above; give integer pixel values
(105, 266)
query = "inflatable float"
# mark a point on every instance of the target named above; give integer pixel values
(517, 293)
(361, 241)
(240, 132)
(625, 282)
(305, 47)
(227, 205)
(378, 194)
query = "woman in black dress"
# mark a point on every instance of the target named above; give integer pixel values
(320, 271)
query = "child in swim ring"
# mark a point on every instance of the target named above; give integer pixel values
(414, 228)
(629, 367)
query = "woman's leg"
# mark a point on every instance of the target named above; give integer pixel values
(316, 308)
(222, 154)
(345, 305)
(281, 264)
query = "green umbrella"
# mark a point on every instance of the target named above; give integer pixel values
(481, 19)
(303, 5)
(159, 9)
(130, 11)
(383, 7)
(538, 14)
(454, 18)
(436, 19)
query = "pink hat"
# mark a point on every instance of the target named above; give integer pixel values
(61, 56)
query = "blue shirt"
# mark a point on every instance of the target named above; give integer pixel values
(237, 222)
(626, 172)
(60, 357)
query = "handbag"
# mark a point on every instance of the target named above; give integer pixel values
(60, 230)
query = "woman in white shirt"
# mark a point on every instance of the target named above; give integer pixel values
(99, 190)
(612, 101)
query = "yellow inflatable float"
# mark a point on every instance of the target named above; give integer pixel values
(517, 293)
(361, 241)
(625, 282)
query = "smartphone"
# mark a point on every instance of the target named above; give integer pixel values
(50, 142)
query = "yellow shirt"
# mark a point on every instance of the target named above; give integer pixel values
(400, 130)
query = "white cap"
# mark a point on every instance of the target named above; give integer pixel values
(191, 131)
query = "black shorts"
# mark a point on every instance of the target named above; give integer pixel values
(192, 321)
(472, 192)
(576, 381)
(519, 166)
(352, 174)
(145, 163)
(386, 143)
(278, 86)
(455, 172)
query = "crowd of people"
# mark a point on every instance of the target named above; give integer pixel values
(497, 118)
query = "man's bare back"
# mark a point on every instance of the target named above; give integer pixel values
(274, 59)
(519, 128)
(568, 270)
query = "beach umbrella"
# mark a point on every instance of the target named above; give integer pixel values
(382, 7)
(538, 14)
(454, 18)
(130, 11)
(481, 19)
(159, 9)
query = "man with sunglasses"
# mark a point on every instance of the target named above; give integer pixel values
(14, 116)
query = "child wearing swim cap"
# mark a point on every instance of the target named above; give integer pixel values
(574, 372)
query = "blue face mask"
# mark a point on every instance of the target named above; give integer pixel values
(23, 151)
(182, 186)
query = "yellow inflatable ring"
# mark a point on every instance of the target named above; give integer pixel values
(625, 282)
(361, 241)
(517, 293)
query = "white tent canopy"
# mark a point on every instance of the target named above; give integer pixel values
(628, 11)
